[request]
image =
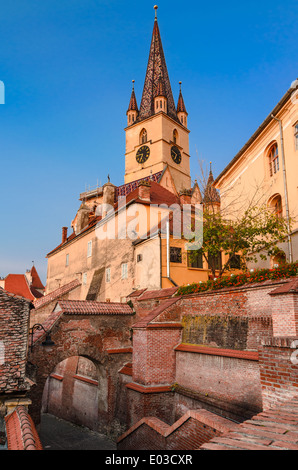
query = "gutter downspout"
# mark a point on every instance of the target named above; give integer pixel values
(285, 186)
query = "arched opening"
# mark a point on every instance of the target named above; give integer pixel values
(175, 136)
(72, 392)
(143, 136)
(273, 159)
(279, 259)
(275, 203)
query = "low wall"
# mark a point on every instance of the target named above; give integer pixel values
(226, 381)
(188, 433)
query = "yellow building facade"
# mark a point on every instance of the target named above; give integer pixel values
(157, 176)
(265, 171)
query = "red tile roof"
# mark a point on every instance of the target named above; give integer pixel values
(17, 284)
(85, 307)
(57, 293)
(21, 432)
(136, 293)
(159, 293)
(164, 305)
(127, 188)
(36, 282)
(290, 287)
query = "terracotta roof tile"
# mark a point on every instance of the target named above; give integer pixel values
(18, 284)
(287, 288)
(85, 307)
(57, 293)
(159, 293)
(136, 293)
(165, 304)
(36, 282)
(156, 67)
(21, 432)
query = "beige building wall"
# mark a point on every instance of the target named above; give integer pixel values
(159, 129)
(249, 176)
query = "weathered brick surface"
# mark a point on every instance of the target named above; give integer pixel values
(188, 433)
(91, 336)
(14, 324)
(275, 429)
(279, 374)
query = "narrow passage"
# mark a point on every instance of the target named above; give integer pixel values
(57, 434)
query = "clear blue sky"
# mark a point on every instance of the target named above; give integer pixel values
(67, 67)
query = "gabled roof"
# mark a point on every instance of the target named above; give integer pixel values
(36, 282)
(164, 305)
(156, 68)
(17, 284)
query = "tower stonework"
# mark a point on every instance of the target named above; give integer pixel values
(156, 137)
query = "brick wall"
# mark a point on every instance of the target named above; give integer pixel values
(188, 433)
(285, 315)
(14, 324)
(154, 355)
(217, 379)
(278, 371)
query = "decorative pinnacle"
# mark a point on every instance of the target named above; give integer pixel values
(180, 83)
(133, 84)
(155, 8)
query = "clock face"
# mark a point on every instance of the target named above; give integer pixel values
(143, 154)
(176, 154)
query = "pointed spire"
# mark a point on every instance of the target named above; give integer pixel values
(156, 67)
(133, 106)
(180, 105)
(211, 195)
(160, 90)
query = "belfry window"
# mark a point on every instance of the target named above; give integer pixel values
(143, 136)
(175, 136)
(273, 160)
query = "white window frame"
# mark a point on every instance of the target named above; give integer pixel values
(67, 260)
(124, 271)
(108, 274)
(89, 249)
(84, 279)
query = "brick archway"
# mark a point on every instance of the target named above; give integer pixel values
(99, 332)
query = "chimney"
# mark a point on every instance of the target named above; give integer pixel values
(185, 196)
(64, 234)
(144, 190)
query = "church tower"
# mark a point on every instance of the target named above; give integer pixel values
(156, 133)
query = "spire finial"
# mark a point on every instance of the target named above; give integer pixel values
(210, 166)
(180, 83)
(155, 8)
(133, 84)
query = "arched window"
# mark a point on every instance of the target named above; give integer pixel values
(273, 160)
(296, 136)
(175, 136)
(143, 136)
(276, 204)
